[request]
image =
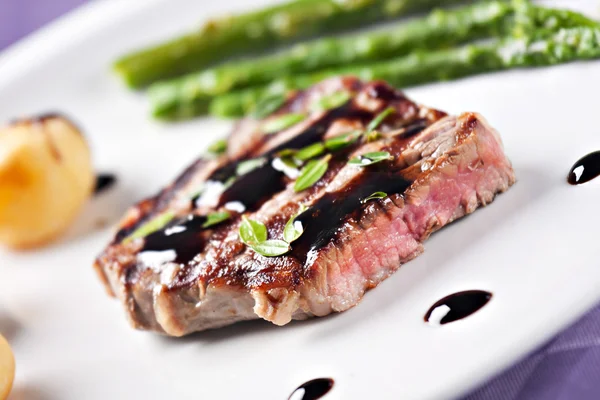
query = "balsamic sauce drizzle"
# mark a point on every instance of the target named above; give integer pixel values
(104, 182)
(457, 306)
(312, 390)
(252, 188)
(585, 169)
(184, 236)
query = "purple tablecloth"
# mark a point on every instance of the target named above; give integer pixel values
(566, 368)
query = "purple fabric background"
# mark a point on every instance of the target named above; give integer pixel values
(19, 17)
(566, 368)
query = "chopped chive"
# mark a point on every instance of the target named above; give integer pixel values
(268, 105)
(372, 136)
(151, 226)
(374, 196)
(228, 182)
(281, 122)
(370, 158)
(333, 100)
(374, 124)
(249, 165)
(199, 190)
(311, 151)
(341, 141)
(286, 153)
(217, 148)
(311, 173)
(216, 218)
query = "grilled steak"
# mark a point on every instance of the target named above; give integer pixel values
(191, 275)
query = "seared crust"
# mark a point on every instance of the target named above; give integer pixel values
(327, 269)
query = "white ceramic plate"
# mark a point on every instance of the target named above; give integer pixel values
(535, 248)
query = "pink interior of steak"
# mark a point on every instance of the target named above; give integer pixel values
(390, 232)
(185, 277)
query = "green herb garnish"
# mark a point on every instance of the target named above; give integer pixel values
(287, 157)
(254, 235)
(217, 148)
(370, 158)
(281, 122)
(311, 173)
(333, 100)
(268, 105)
(311, 151)
(271, 248)
(292, 230)
(249, 165)
(252, 232)
(291, 162)
(151, 226)
(341, 141)
(374, 124)
(229, 182)
(374, 196)
(215, 218)
(372, 136)
(286, 153)
(198, 192)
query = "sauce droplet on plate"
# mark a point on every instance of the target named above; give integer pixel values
(104, 182)
(312, 390)
(585, 169)
(457, 306)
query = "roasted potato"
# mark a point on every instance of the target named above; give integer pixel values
(46, 176)
(7, 368)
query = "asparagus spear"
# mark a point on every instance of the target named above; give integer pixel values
(568, 44)
(236, 35)
(177, 98)
(186, 97)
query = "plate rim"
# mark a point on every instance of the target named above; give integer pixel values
(16, 59)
